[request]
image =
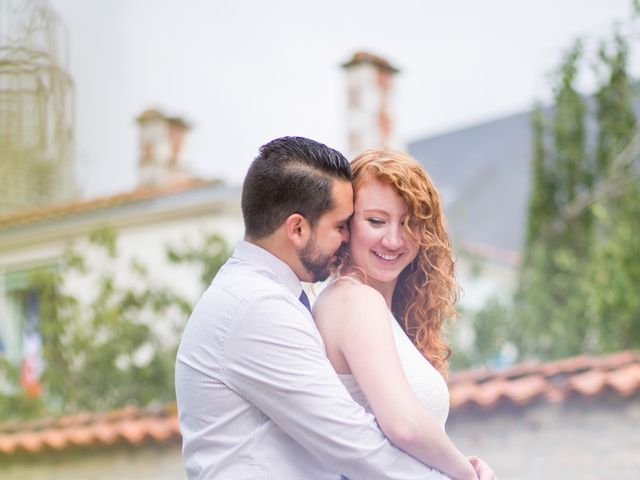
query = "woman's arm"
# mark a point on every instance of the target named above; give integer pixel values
(355, 322)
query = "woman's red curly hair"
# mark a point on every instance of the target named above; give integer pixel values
(426, 290)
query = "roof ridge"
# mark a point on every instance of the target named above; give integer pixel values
(95, 203)
(521, 384)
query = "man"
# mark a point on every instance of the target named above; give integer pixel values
(257, 397)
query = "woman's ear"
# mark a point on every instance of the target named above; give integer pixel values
(297, 229)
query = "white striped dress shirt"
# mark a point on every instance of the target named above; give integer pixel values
(257, 397)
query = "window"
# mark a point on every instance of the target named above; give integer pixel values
(20, 339)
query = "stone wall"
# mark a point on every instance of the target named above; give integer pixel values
(142, 462)
(581, 438)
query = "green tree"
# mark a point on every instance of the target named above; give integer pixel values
(614, 274)
(490, 331)
(114, 348)
(578, 276)
(616, 120)
(209, 254)
(542, 198)
(553, 265)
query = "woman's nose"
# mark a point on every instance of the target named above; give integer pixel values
(392, 239)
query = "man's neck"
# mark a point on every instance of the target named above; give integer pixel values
(280, 248)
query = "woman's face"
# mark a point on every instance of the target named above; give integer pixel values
(379, 242)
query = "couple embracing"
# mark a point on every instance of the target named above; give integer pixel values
(265, 389)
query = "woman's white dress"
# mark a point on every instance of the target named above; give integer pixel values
(426, 382)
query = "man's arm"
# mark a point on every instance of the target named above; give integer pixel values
(275, 359)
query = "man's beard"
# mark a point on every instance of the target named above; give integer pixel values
(318, 265)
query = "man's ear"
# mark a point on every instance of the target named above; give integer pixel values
(297, 229)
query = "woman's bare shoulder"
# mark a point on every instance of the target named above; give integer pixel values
(345, 295)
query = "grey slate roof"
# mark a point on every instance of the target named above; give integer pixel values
(482, 173)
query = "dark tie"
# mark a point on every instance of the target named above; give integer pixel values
(305, 300)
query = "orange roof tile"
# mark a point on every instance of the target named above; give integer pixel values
(506, 257)
(141, 193)
(130, 425)
(525, 383)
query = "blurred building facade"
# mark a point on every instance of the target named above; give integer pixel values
(36, 107)
(169, 208)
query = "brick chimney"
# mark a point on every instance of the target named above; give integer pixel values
(369, 110)
(161, 140)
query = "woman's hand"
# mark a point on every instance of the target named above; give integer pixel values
(483, 470)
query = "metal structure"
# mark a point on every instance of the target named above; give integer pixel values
(36, 107)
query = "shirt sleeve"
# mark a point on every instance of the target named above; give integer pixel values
(275, 359)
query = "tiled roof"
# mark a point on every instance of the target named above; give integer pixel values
(141, 193)
(489, 252)
(555, 381)
(519, 385)
(479, 169)
(130, 426)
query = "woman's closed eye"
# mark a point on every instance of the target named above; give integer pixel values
(375, 221)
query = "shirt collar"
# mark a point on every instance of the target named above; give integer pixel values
(278, 270)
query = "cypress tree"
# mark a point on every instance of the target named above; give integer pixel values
(579, 275)
(549, 302)
(615, 272)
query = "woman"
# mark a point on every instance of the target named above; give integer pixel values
(381, 317)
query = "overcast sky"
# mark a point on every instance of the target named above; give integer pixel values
(244, 72)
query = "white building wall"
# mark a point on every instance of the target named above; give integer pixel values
(146, 242)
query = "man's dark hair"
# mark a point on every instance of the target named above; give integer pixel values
(290, 175)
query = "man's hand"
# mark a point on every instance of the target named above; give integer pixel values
(483, 470)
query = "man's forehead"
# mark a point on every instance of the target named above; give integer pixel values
(342, 190)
